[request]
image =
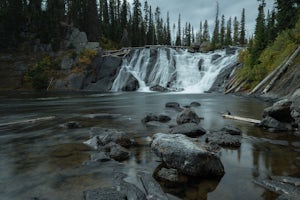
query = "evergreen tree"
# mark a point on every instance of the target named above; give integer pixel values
(286, 14)
(228, 38)
(235, 31)
(136, 22)
(205, 34)
(222, 32)
(92, 30)
(243, 29)
(168, 36)
(178, 37)
(215, 37)
(271, 32)
(260, 39)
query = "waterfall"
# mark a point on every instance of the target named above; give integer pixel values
(173, 70)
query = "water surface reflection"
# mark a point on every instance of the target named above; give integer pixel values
(44, 160)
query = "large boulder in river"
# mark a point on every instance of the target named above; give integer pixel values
(280, 111)
(295, 107)
(132, 84)
(188, 116)
(188, 157)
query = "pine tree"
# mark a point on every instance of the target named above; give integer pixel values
(168, 36)
(236, 38)
(92, 31)
(228, 38)
(286, 14)
(271, 32)
(205, 34)
(260, 41)
(222, 32)
(215, 37)
(243, 29)
(136, 22)
(178, 37)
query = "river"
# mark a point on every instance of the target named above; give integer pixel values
(46, 161)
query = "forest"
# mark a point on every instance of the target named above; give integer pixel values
(112, 23)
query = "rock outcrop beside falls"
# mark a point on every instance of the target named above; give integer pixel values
(284, 115)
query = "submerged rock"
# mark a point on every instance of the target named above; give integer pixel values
(117, 152)
(275, 125)
(285, 186)
(188, 116)
(188, 129)
(71, 125)
(152, 188)
(158, 88)
(174, 105)
(103, 136)
(170, 177)
(179, 152)
(104, 194)
(152, 117)
(223, 139)
(231, 130)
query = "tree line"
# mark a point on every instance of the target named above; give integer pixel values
(116, 21)
(284, 16)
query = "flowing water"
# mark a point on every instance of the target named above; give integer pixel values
(177, 70)
(46, 161)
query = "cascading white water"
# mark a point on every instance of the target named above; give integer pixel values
(176, 70)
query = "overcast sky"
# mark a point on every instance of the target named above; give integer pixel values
(194, 11)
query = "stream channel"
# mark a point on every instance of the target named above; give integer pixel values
(43, 160)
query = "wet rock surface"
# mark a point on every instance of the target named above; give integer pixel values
(188, 129)
(287, 187)
(223, 139)
(188, 116)
(188, 157)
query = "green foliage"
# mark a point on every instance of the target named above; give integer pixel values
(87, 56)
(271, 57)
(39, 74)
(106, 43)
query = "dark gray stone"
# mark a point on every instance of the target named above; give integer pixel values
(76, 39)
(71, 125)
(280, 111)
(188, 129)
(152, 188)
(223, 139)
(195, 104)
(132, 84)
(275, 125)
(215, 57)
(117, 152)
(103, 136)
(99, 157)
(230, 51)
(160, 118)
(188, 116)
(104, 194)
(280, 186)
(174, 105)
(188, 157)
(231, 130)
(66, 63)
(75, 81)
(158, 88)
(200, 63)
(131, 191)
(295, 108)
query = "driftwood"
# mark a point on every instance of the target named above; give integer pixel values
(281, 71)
(27, 121)
(276, 73)
(118, 53)
(254, 121)
(50, 83)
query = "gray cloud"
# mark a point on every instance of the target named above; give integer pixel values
(194, 11)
